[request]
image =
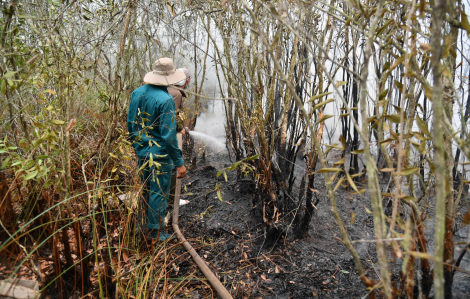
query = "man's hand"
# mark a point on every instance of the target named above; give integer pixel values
(185, 130)
(180, 172)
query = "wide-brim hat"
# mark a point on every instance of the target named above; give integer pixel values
(164, 73)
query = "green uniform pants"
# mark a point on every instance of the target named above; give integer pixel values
(155, 191)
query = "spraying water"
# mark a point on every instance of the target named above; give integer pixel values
(210, 126)
(214, 143)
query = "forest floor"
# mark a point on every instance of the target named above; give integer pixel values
(230, 238)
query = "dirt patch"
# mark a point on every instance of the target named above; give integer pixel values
(230, 236)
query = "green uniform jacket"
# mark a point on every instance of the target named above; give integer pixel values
(151, 124)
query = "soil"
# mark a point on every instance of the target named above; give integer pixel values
(230, 237)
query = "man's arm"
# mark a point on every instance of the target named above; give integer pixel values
(178, 98)
(168, 132)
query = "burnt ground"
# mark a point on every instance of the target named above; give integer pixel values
(231, 239)
(229, 235)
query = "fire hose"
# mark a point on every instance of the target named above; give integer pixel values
(215, 282)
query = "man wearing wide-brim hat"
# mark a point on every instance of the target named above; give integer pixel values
(151, 123)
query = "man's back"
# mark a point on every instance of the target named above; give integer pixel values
(151, 123)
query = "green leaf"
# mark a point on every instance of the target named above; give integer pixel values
(419, 136)
(234, 166)
(5, 163)
(323, 118)
(386, 141)
(422, 126)
(359, 151)
(399, 85)
(394, 118)
(322, 104)
(9, 74)
(409, 170)
(340, 162)
(428, 91)
(386, 66)
(344, 271)
(16, 163)
(382, 103)
(252, 158)
(57, 122)
(342, 140)
(30, 175)
(3, 87)
(41, 157)
(383, 94)
(37, 142)
(313, 98)
(464, 22)
(410, 198)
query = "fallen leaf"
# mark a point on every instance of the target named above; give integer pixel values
(228, 203)
(293, 282)
(125, 257)
(71, 125)
(276, 270)
(245, 255)
(353, 217)
(263, 277)
(466, 219)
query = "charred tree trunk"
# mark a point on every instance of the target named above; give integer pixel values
(354, 168)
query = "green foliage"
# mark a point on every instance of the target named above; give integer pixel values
(245, 168)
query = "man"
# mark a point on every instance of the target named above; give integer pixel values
(151, 124)
(178, 96)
